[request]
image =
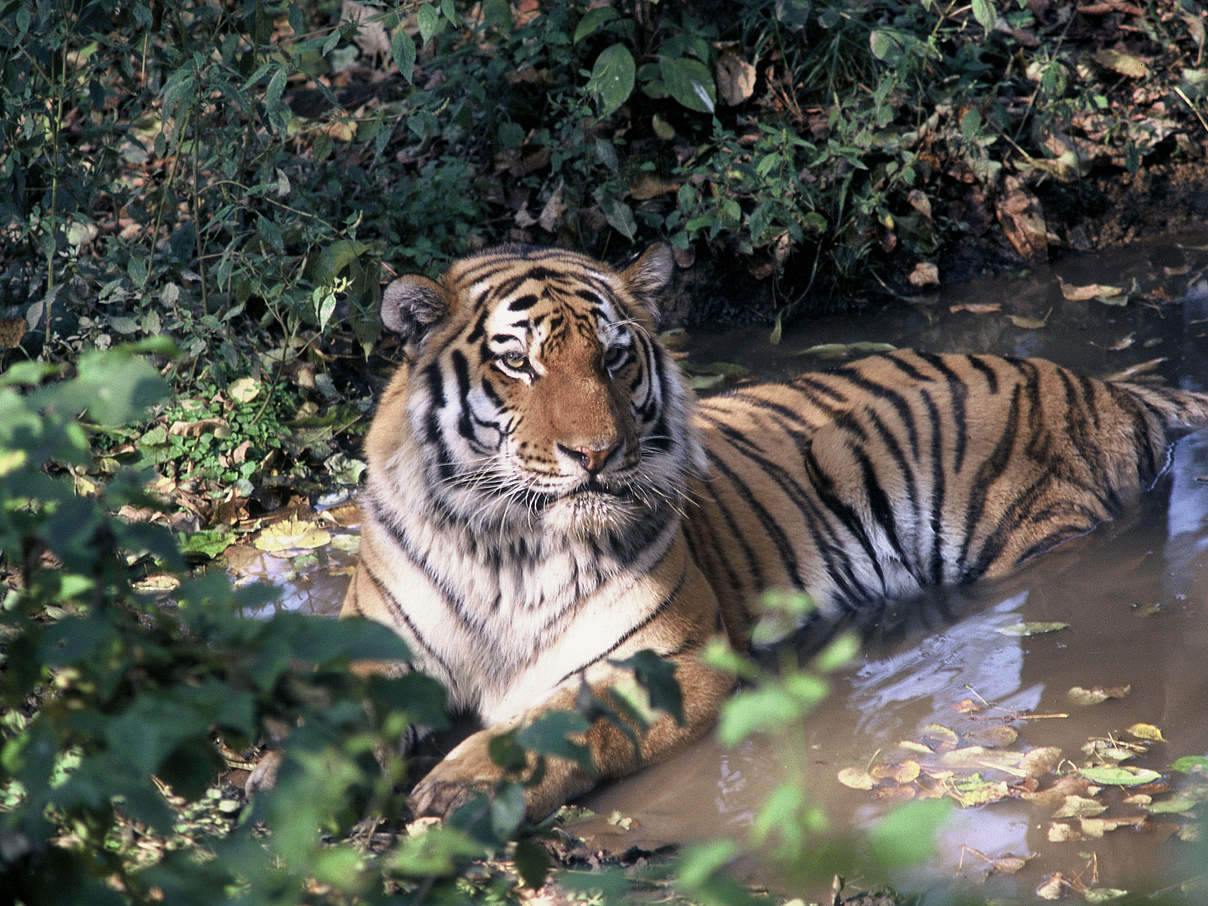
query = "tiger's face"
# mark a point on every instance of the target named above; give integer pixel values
(538, 394)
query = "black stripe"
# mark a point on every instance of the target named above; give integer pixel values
(895, 399)
(979, 363)
(632, 630)
(397, 611)
(522, 303)
(988, 472)
(938, 492)
(958, 392)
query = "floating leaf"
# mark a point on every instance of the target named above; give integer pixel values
(840, 350)
(1096, 694)
(1175, 805)
(1025, 323)
(292, 534)
(1121, 775)
(1097, 827)
(903, 772)
(857, 779)
(976, 308)
(1103, 894)
(1191, 763)
(1146, 731)
(1082, 292)
(1034, 627)
(1079, 807)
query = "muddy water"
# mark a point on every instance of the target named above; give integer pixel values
(1135, 596)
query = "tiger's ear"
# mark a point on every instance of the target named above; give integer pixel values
(649, 275)
(410, 306)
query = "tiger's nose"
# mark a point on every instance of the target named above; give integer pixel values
(591, 457)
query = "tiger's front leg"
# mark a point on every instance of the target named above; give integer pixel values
(468, 769)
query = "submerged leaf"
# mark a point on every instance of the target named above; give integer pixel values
(1034, 627)
(1096, 694)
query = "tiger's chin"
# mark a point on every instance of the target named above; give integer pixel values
(587, 514)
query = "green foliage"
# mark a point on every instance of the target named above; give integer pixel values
(111, 699)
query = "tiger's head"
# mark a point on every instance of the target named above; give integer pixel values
(537, 395)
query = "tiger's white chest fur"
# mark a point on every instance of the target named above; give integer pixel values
(501, 617)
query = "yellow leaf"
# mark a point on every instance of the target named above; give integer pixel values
(857, 779)
(292, 534)
(1146, 731)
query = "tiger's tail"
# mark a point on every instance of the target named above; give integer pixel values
(1187, 409)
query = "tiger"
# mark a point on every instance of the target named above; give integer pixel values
(546, 497)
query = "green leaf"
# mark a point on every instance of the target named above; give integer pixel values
(402, 48)
(984, 13)
(690, 82)
(619, 216)
(592, 20)
(657, 676)
(532, 863)
(427, 17)
(1121, 775)
(612, 78)
(547, 735)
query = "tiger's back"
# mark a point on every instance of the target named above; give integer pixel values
(905, 470)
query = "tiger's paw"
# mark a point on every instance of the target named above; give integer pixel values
(433, 797)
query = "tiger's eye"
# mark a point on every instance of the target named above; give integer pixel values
(517, 361)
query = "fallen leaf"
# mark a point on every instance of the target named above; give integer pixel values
(997, 736)
(976, 308)
(1022, 219)
(1082, 292)
(1124, 63)
(735, 78)
(1175, 805)
(904, 772)
(292, 534)
(1121, 775)
(946, 737)
(1096, 694)
(1080, 807)
(924, 274)
(1035, 627)
(903, 793)
(1103, 894)
(244, 390)
(857, 779)
(1025, 323)
(1060, 832)
(840, 350)
(973, 791)
(1146, 731)
(1053, 887)
(1097, 827)
(11, 332)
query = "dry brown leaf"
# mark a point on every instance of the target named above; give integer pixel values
(735, 78)
(976, 308)
(1053, 887)
(1080, 807)
(1080, 695)
(903, 772)
(1124, 63)
(11, 332)
(925, 273)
